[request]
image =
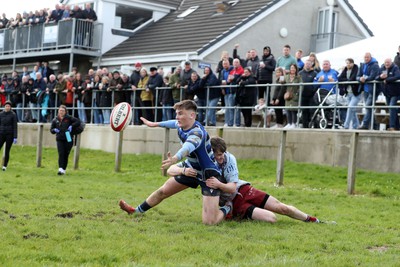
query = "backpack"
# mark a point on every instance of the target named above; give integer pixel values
(79, 129)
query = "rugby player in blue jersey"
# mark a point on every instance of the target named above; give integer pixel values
(197, 155)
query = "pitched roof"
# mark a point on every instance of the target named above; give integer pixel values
(196, 32)
(199, 29)
(173, 3)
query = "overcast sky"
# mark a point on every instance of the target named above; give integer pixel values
(378, 15)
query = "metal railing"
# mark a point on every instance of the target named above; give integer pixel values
(73, 33)
(50, 109)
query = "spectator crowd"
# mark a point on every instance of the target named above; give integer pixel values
(236, 85)
(45, 15)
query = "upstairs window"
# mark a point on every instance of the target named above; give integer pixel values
(327, 22)
(130, 18)
(187, 12)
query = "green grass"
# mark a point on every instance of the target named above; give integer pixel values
(47, 220)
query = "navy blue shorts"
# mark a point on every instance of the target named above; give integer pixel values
(194, 183)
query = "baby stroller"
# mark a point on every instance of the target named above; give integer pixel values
(323, 116)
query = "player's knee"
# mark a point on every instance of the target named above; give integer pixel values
(272, 218)
(210, 221)
(269, 217)
(284, 209)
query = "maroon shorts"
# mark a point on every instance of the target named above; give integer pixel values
(246, 200)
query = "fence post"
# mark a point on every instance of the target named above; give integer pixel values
(166, 149)
(118, 152)
(39, 150)
(281, 159)
(352, 165)
(77, 151)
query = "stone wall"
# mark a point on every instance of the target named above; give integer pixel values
(376, 150)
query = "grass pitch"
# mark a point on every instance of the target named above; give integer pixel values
(74, 220)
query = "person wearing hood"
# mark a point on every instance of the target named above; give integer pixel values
(265, 71)
(368, 72)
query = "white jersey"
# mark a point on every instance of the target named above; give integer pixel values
(231, 173)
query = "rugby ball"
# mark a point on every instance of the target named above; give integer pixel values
(121, 116)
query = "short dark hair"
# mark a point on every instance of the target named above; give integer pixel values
(287, 46)
(218, 144)
(64, 107)
(186, 105)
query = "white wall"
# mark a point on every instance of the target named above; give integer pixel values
(106, 11)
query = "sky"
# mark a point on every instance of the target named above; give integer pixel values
(378, 15)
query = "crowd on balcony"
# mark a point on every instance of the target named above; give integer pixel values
(237, 88)
(45, 15)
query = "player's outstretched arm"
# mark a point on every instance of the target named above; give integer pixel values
(149, 123)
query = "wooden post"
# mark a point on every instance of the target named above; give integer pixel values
(166, 149)
(352, 165)
(77, 151)
(281, 159)
(39, 150)
(118, 152)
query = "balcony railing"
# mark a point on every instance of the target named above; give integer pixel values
(67, 34)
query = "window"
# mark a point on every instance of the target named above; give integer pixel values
(187, 12)
(326, 23)
(131, 17)
(326, 28)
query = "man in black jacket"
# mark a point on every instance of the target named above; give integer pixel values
(155, 81)
(89, 13)
(307, 96)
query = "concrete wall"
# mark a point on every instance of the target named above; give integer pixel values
(376, 151)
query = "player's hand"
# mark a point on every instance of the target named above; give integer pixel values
(191, 172)
(213, 183)
(56, 130)
(149, 123)
(169, 161)
(15, 140)
(70, 128)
